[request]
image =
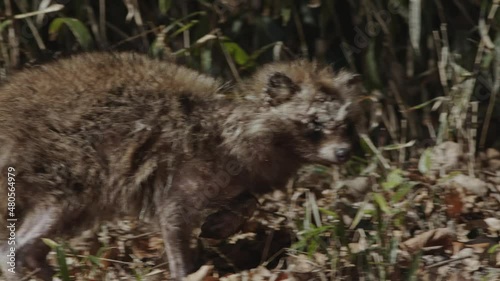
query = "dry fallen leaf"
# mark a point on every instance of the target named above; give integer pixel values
(454, 204)
(492, 153)
(357, 187)
(471, 184)
(446, 155)
(199, 275)
(436, 237)
(494, 164)
(301, 264)
(493, 224)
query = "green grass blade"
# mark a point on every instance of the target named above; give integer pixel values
(79, 30)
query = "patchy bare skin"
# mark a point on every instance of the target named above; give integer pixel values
(100, 135)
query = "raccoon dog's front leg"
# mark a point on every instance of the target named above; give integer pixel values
(176, 229)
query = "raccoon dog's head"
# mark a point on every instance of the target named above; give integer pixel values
(317, 109)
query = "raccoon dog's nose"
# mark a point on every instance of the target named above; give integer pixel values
(342, 154)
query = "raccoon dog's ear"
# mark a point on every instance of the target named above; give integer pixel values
(280, 88)
(355, 79)
(348, 78)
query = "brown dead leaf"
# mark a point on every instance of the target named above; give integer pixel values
(109, 255)
(479, 248)
(454, 204)
(436, 237)
(457, 246)
(282, 276)
(429, 207)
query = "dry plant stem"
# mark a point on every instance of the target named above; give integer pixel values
(491, 105)
(159, 265)
(440, 11)
(94, 27)
(414, 22)
(115, 29)
(381, 158)
(135, 12)
(50, 9)
(13, 60)
(32, 27)
(4, 59)
(291, 213)
(300, 31)
(314, 208)
(479, 56)
(102, 22)
(483, 32)
(224, 257)
(427, 116)
(185, 33)
(230, 61)
(376, 14)
(273, 257)
(464, 10)
(129, 38)
(387, 120)
(403, 108)
(267, 246)
(402, 151)
(472, 138)
(102, 259)
(385, 29)
(438, 264)
(30, 275)
(410, 59)
(442, 56)
(496, 75)
(442, 51)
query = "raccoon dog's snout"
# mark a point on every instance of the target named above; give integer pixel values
(342, 154)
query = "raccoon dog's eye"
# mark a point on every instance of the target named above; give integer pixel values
(315, 136)
(315, 130)
(315, 125)
(341, 127)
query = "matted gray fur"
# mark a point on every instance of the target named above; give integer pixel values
(101, 135)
